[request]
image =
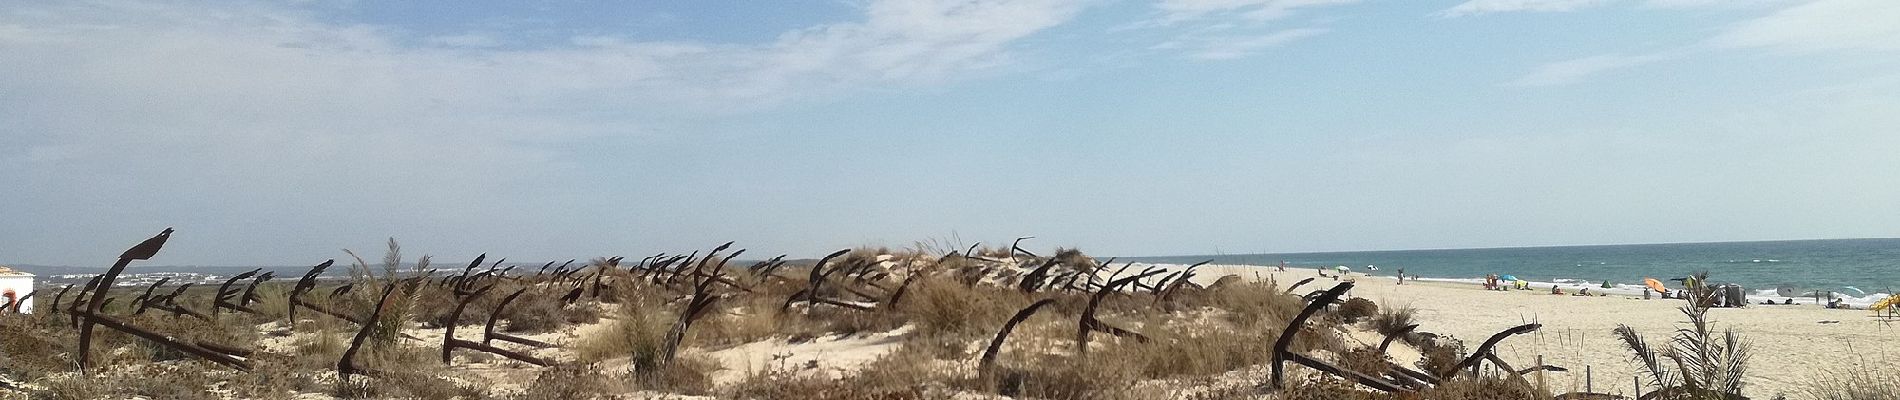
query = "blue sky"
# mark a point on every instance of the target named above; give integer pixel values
(277, 133)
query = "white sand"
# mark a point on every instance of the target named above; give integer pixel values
(1790, 344)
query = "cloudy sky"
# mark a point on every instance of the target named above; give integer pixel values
(279, 133)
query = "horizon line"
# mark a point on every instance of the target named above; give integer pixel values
(1208, 255)
(1550, 246)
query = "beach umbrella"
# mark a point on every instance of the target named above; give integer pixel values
(1785, 291)
(1655, 285)
(1508, 277)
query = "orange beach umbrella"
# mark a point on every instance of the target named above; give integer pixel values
(1655, 285)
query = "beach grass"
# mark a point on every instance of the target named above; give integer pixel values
(631, 333)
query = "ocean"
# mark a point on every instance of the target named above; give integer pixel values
(1860, 269)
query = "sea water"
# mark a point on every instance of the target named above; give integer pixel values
(1858, 270)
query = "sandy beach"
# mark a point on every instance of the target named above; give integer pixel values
(1790, 343)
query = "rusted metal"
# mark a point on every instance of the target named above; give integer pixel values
(901, 289)
(770, 265)
(986, 364)
(140, 301)
(1551, 368)
(489, 335)
(1158, 285)
(1484, 350)
(673, 276)
(1094, 274)
(1280, 351)
(309, 282)
(56, 297)
(304, 285)
(1088, 323)
(250, 291)
(142, 251)
(223, 349)
(1118, 272)
(702, 300)
(92, 313)
(167, 302)
(1033, 281)
(346, 366)
(472, 264)
(74, 309)
(167, 341)
(450, 342)
(1296, 285)
(222, 298)
(1361, 378)
(1018, 249)
(571, 296)
(816, 278)
(1506, 367)
(1395, 335)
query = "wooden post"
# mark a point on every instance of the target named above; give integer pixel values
(1540, 374)
(1586, 380)
(1638, 384)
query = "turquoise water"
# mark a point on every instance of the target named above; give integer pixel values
(1847, 266)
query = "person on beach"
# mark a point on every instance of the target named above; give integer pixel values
(1401, 275)
(1555, 290)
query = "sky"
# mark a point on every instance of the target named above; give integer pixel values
(279, 133)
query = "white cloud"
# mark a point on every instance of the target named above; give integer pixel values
(1178, 10)
(1821, 25)
(257, 110)
(1479, 7)
(1226, 48)
(465, 40)
(1574, 70)
(1685, 3)
(1227, 29)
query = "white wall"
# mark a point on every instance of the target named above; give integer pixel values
(20, 285)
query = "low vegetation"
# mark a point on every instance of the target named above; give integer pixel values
(656, 327)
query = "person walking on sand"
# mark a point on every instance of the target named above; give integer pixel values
(1401, 275)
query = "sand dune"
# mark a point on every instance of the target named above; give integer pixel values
(1790, 343)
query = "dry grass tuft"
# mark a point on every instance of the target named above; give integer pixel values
(568, 382)
(1355, 309)
(943, 307)
(636, 335)
(1852, 384)
(1392, 319)
(1440, 355)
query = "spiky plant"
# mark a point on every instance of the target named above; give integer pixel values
(1707, 365)
(402, 305)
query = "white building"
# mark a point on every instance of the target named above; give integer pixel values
(13, 286)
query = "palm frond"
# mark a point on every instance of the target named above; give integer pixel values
(1643, 354)
(1737, 362)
